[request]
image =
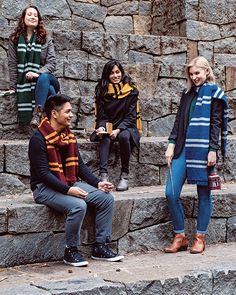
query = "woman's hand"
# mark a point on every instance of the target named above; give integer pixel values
(114, 133)
(77, 192)
(31, 75)
(170, 153)
(105, 186)
(211, 159)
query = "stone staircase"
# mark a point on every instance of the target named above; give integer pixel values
(154, 56)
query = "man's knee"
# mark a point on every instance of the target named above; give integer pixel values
(78, 208)
(123, 137)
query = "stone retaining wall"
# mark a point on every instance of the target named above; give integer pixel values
(31, 233)
(147, 166)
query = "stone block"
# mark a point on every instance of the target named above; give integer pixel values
(10, 184)
(33, 218)
(171, 44)
(231, 97)
(223, 205)
(142, 24)
(150, 174)
(4, 75)
(70, 87)
(76, 65)
(124, 8)
(8, 110)
(82, 287)
(31, 248)
(225, 46)
(216, 231)
(153, 146)
(231, 229)
(145, 8)
(67, 40)
(144, 287)
(82, 24)
(172, 71)
(116, 47)
(140, 57)
(189, 284)
(12, 9)
(24, 289)
(117, 24)
(95, 69)
(192, 51)
(93, 12)
(109, 3)
(230, 163)
(207, 49)
(191, 9)
(221, 12)
(3, 220)
(174, 59)
(17, 161)
(147, 44)
(93, 42)
(228, 30)
(2, 156)
(230, 78)
(151, 238)
(162, 126)
(224, 282)
(199, 31)
(121, 218)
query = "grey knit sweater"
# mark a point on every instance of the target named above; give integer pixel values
(47, 60)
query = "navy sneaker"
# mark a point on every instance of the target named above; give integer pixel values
(102, 252)
(73, 257)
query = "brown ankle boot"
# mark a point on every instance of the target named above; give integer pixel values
(37, 116)
(180, 243)
(199, 244)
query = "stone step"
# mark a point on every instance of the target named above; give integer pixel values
(149, 273)
(147, 166)
(32, 233)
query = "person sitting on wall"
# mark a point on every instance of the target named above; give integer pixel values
(116, 104)
(55, 165)
(31, 61)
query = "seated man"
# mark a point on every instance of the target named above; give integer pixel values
(55, 165)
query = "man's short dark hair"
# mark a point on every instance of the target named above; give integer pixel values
(55, 102)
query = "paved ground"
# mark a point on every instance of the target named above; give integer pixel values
(150, 266)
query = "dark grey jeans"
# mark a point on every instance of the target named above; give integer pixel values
(75, 210)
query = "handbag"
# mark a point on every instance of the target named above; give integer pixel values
(214, 182)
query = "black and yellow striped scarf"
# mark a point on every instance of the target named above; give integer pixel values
(119, 91)
(54, 142)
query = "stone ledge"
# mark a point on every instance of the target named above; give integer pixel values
(147, 166)
(150, 273)
(141, 222)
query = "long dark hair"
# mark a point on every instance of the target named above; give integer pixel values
(40, 30)
(102, 86)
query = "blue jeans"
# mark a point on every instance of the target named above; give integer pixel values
(46, 85)
(75, 210)
(178, 168)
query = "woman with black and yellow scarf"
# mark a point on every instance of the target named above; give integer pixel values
(116, 105)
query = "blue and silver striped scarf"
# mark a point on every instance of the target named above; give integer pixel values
(198, 133)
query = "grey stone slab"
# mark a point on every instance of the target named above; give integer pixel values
(155, 146)
(228, 30)
(83, 24)
(216, 231)
(116, 47)
(224, 282)
(80, 286)
(197, 30)
(3, 220)
(17, 161)
(125, 8)
(223, 205)
(171, 44)
(67, 40)
(31, 218)
(173, 59)
(30, 248)
(231, 229)
(76, 65)
(11, 184)
(148, 44)
(109, 3)
(8, 109)
(162, 126)
(2, 156)
(89, 11)
(93, 42)
(24, 289)
(225, 59)
(173, 71)
(225, 46)
(145, 8)
(140, 57)
(117, 24)
(144, 287)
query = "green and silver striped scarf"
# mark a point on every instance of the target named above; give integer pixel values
(28, 60)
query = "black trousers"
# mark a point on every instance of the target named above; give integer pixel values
(106, 142)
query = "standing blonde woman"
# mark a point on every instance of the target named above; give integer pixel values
(31, 61)
(192, 149)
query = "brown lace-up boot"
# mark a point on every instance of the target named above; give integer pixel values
(199, 244)
(37, 116)
(180, 243)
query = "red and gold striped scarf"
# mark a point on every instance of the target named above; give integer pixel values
(54, 142)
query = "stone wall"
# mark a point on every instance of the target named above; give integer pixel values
(137, 224)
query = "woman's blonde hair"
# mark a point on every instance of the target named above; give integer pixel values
(200, 62)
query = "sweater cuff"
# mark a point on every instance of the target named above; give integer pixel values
(171, 141)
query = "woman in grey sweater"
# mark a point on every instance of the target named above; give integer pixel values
(31, 61)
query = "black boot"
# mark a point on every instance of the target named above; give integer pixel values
(37, 116)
